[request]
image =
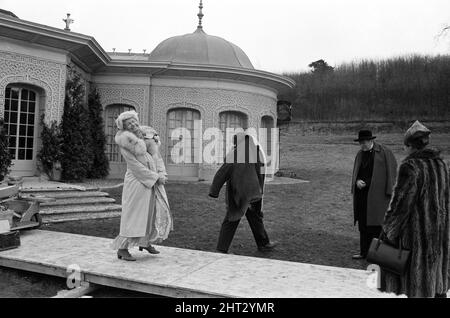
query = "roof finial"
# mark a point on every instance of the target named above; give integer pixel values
(68, 22)
(200, 15)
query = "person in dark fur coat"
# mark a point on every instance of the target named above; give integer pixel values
(244, 175)
(418, 215)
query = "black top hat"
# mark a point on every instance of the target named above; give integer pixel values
(365, 135)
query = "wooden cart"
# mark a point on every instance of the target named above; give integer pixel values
(25, 207)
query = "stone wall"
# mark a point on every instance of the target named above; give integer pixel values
(210, 102)
(343, 128)
(133, 95)
(48, 75)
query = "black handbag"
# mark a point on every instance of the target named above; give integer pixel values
(390, 258)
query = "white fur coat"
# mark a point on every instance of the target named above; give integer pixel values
(145, 208)
(138, 147)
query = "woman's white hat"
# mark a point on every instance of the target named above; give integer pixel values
(124, 116)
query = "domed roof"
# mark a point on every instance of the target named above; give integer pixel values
(200, 48)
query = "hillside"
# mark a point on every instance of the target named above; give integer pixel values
(402, 88)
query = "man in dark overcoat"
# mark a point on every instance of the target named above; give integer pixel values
(243, 171)
(373, 180)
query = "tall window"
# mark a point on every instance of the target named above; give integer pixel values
(182, 118)
(231, 119)
(20, 115)
(268, 123)
(112, 149)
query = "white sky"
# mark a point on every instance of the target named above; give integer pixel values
(277, 35)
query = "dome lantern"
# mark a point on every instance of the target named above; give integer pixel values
(199, 48)
(200, 15)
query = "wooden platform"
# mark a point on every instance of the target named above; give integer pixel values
(181, 272)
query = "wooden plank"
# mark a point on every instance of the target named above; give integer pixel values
(153, 289)
(180, 272)
(8, 191)
(24, 225)
(34, 267)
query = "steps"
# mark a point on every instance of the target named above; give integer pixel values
(73, 205)
(78, 201)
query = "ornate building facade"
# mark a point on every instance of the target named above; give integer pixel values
(185, 80)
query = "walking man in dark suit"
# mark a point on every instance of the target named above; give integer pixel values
(243, 171)
(373, 180)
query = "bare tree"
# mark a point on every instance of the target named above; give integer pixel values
(444, 33)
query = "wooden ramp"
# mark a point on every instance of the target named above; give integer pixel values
(180, 272)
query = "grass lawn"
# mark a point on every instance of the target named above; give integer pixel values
(313, 222)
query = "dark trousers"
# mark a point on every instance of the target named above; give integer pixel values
(254, 218)
(366, 235)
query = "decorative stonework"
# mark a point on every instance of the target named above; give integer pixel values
(234, 108)
(162, 123)
(210, 102)
(133, 95)
(48, 75)
(271, 114)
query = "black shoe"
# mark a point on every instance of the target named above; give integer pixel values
(268, 247)
(125, 255)
(224, 252)
(358, 256)
(149, 249)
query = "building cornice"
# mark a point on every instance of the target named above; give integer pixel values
(52, 37)
(87, 52)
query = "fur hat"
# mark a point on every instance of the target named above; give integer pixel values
(124, 116)
(417, 130)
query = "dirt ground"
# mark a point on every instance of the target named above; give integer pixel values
(313, 222)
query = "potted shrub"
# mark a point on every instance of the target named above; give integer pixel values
(50, 153)
(5, 156)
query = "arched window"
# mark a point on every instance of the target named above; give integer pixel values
(267, 122)
(182, 118)
(20, 120)
(111, 114)
(231, 119)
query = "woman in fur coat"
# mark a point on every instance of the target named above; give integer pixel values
(146, 217)
(418, 215)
